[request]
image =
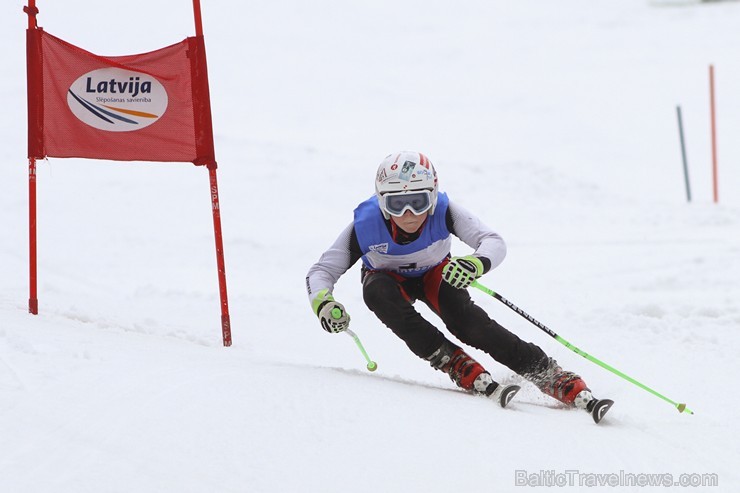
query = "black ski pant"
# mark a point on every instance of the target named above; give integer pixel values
(391, 296)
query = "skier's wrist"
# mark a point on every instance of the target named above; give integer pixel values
(322, 298)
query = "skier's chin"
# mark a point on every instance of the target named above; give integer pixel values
(409, 222)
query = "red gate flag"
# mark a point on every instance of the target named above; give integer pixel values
(148, 107)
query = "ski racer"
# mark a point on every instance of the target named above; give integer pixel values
(402, 234)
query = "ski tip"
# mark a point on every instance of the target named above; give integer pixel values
(507, 394)
(600, 409)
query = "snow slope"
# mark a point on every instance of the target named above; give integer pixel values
(553, 121)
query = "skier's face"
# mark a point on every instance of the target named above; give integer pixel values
(410, 222)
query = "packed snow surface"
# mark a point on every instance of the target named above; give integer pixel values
(555, 122)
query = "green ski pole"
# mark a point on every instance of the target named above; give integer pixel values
(680, 406)
(371, 365)
(337, 313)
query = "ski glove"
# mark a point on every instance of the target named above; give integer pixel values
(332, 315)
(460, 272)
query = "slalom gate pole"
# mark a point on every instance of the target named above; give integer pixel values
(683, 154)
(223, 296)
(215, 202)
(198, 18)
(680, 406)
(33, 300)
(714, 134)
(371, 365)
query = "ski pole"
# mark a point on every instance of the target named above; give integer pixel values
(371, 365)
(680, 406)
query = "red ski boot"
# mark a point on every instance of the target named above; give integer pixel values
(469, 374)
(565, 386)
(571, 390)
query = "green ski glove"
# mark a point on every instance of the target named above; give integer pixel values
(332, 315)
(460, 272)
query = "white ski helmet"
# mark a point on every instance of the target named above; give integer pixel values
(406, 180)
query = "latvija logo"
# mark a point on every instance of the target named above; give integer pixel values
(117, 100)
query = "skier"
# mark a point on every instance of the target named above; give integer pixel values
(402, 235)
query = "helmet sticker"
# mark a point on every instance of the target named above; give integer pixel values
(381, 175)
(406, 170)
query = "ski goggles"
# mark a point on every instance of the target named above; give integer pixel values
(397, 203)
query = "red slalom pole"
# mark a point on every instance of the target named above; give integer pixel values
(198, 18)
(714, 133)
(33, 301)
(215, 203)
(225, 320)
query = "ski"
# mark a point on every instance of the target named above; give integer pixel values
(598, 408)
(504, 393)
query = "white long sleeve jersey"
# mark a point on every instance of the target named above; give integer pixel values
(342, 255)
